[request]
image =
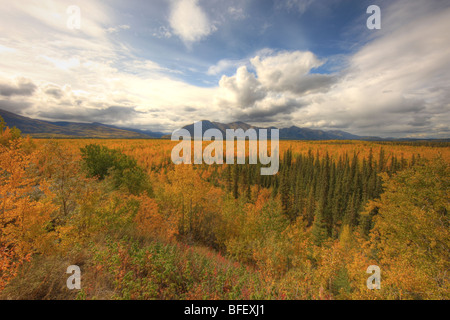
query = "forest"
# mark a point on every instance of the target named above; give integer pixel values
(141, 227)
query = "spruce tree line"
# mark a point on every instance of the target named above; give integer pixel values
(326, 192)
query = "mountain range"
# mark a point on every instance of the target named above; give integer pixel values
(291, 133)
(62, 129)
(46, 129)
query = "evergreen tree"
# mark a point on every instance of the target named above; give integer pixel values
(236, 182)
(319, 228)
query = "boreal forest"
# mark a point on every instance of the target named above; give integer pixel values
(141, 227)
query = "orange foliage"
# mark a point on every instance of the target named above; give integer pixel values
(22, 218)
(151, 222)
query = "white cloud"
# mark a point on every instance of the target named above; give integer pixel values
(237, 13)
(6, 49)
(225, 65)
(280, 81)
(49, 15)
(189, 21)
(241, 90)
(118, 28)
(300, 5)
(290, 71)
(73, 72)
(162, 32)
(397, 84)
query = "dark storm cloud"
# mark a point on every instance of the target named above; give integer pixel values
(23, 88)
(265, 114)
(313, 83)
(407, 106)
(55, 92)
(110, 114)
(14, 106)
(190, 109)
(420, 121)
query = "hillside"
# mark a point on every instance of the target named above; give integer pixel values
(152, 230)
(46, 129)
(291, 133)
(64, 129)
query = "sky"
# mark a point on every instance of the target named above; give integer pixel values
(161, 64)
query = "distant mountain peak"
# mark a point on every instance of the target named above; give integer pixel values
(291, 133)
(46, 129)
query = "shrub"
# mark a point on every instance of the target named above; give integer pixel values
(100, 162)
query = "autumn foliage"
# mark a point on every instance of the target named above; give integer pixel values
(141, 227)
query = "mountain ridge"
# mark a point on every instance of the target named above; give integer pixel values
(65, 129)
(291, 133)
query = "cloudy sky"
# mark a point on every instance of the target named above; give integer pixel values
(162, 64)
